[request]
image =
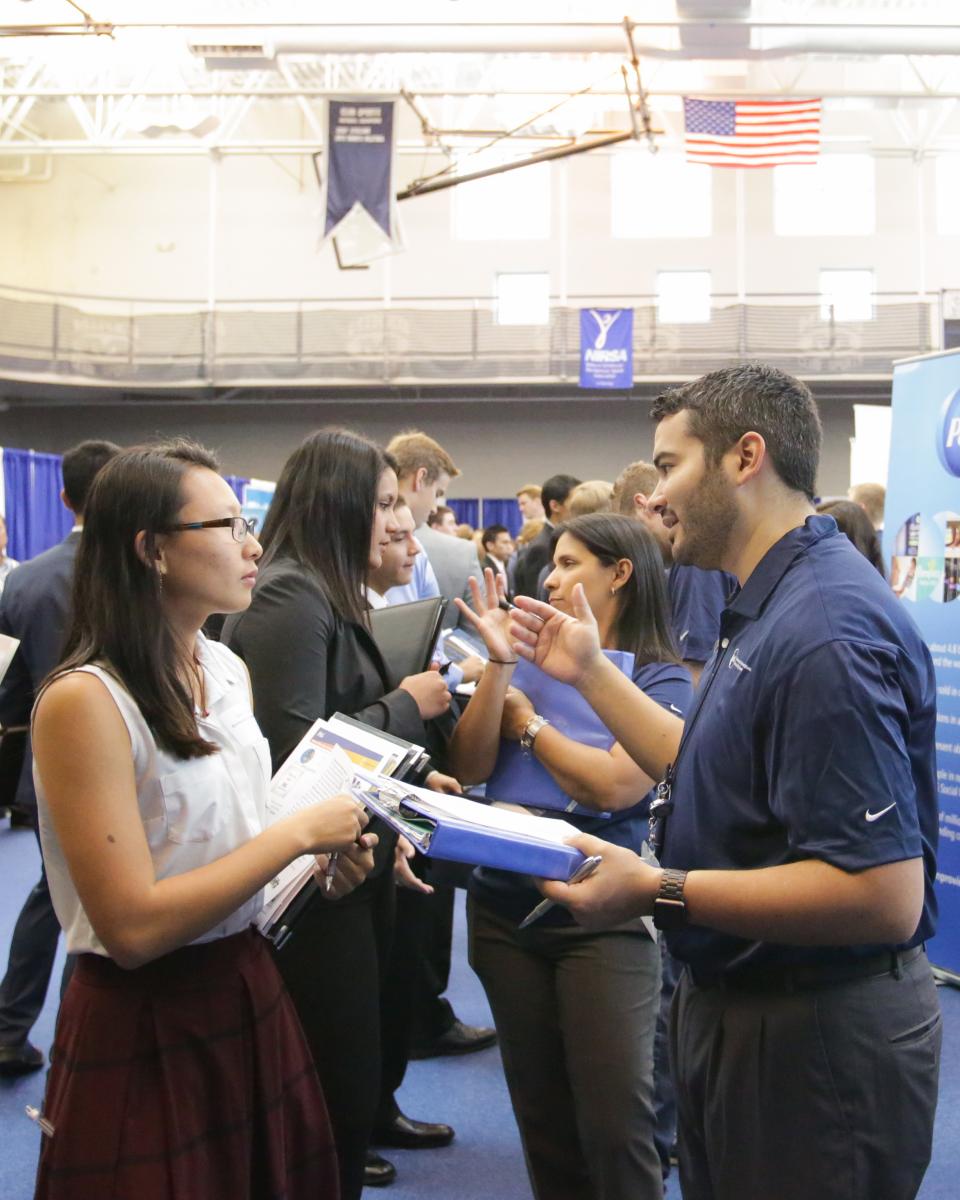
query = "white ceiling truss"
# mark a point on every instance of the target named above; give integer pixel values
(140, 77)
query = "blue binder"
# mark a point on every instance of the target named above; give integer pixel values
(518, 777)
(439, 835)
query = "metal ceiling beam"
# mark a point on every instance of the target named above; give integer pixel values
(300, 147)
(440, 93)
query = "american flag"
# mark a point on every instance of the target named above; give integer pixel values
(751, 133)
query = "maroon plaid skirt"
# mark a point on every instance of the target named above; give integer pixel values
(187, 1079)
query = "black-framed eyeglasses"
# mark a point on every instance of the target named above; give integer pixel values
(238, 526)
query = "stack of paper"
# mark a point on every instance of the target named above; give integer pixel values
(322, 766)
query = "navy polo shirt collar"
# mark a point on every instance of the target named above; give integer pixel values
(753, 595)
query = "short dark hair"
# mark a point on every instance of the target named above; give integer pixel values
(557, 488)
(321, 514)
(79, 466)
(726, 404)
(492, 532)
(118, 615)
(643, 620)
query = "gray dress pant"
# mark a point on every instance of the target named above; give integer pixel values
(820, 1094)
(575, 1012)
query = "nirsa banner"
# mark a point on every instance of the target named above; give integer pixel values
(359, 205)
(606, 347)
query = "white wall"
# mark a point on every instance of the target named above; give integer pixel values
(140, 226)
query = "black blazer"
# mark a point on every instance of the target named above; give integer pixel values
(533, 558)
(306, 661)
(35, 607)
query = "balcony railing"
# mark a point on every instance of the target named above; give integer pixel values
(150, 343)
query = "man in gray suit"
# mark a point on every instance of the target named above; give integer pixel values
(454, 561)
(35, 608)
(425, 469)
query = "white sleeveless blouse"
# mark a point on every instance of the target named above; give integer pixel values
(194, 810)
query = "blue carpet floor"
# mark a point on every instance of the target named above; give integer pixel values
(485, 1161)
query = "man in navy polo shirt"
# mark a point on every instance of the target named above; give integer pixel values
(797, 823)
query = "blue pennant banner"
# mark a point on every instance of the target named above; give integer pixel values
(359, 170)
(606, 347)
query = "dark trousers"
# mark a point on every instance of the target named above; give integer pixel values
(33, 949)
(417, 973)
(826, 1093)
(575, 1011)
(664, 1093)
(432, 1013)
(332, 967)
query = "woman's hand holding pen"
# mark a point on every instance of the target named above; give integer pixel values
(430, 692)
(490, 616)
(565, 647)
(351, 867)
(330, 825)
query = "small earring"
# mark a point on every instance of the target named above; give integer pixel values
(613, 591)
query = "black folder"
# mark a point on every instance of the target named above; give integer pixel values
(406, 635)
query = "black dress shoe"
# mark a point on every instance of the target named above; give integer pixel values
(458, 1039)
(377, 1172)
(20, 1060)
(404, 1133)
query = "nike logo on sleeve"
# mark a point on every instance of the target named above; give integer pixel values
(875, 816)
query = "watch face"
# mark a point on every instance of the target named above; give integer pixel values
(669, 914)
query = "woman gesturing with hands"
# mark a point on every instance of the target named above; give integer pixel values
(575, 1009)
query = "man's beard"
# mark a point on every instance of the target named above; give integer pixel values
(708, 524)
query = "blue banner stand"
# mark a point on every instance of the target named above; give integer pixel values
(921, 547)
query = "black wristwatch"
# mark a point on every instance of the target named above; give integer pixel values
(669, 906)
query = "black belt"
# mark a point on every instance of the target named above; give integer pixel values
(805, 977)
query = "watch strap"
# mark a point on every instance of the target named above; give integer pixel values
(669, 905)
(530, 731)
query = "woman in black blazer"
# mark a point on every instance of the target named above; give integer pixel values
(306, 643)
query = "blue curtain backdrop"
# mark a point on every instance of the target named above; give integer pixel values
(36, 517)
(237, 483)
(467, 511)
(503, 512)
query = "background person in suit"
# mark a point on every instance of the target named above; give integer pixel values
(35, 607)
(497, 548)
(535, 557)
(530, 503)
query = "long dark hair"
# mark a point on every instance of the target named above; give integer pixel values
(118, 618)
(854, 522)
(321, 514)
(642, 624)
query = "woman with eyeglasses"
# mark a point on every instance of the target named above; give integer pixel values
(575, 1009)
(179, 1069)
(306, 641)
